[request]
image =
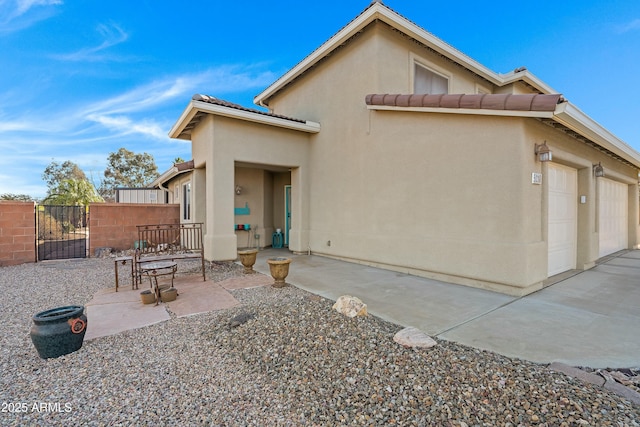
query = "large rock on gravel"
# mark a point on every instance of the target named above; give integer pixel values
(412, 337)
(350, 306)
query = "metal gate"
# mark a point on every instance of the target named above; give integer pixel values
(63, 232)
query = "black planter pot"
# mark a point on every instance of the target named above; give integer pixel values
(59, 331)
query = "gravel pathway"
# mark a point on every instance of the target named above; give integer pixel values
(287, 360)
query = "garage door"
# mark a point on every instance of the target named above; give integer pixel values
(613, 214)
(563, 218)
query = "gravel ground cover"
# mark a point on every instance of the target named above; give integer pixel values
(282, 358)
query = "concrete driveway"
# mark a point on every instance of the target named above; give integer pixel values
(590, 319)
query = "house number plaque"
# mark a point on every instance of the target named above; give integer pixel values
(536, 178)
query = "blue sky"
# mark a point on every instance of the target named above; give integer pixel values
(80, 79)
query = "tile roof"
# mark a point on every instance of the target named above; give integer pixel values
(184, 166)
(212, 100)
(513, 102)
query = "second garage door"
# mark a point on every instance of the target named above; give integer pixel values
(612, 216)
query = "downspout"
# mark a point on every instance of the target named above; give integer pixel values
(166, 192)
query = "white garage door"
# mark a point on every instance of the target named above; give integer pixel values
(613, 214)
(563, 218)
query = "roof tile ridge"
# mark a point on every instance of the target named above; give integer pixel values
(221, 102)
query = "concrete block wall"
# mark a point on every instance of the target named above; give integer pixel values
(17, 233)
(113, 225)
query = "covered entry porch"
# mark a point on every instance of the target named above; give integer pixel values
(262, 205)
(244, 160)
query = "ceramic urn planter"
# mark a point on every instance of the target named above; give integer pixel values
(279, 268)
(248, 258)
(59, 331)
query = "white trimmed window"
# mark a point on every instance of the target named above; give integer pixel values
(186, 201)
(428, 81)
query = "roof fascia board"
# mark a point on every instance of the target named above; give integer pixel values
(471, 111)
(219, 110)
(384, 14)
(187, 115)
(573, 118)
(166, 176)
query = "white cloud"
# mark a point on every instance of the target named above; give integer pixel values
(137, 111)
(112, 35)
(23, 6)
(10, 126)
(629, 26)
(16, 15)
(126, 126)
(150, 96)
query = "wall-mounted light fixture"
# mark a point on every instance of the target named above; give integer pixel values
(598, 170)
(543, 152)
(238, 190)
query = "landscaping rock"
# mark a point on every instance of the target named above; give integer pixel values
(240, 319)
(350, 306)
(415, 338)
(103, 252)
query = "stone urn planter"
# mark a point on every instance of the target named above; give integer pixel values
(147, 297)
(279, 268)
(248, 258)
(168, 295)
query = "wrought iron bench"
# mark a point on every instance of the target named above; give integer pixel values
(164, 242)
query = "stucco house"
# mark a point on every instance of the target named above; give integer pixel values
(388, 147)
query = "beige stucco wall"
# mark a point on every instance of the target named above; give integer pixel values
(450, 198)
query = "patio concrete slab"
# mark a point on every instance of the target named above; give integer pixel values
(112, 317)
(111, 312)
(200, 297)
(588, 319)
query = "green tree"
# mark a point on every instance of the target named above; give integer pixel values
(128, 169)
(178, 160)
(56, 172)
(17, 197)
(73, 192)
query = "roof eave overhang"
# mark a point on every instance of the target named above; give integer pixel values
(164, 177)
(196, 107)
(377, 12)
(574, 119)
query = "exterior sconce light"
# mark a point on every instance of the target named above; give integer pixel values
(238, 190)
(543, 152)
(598, 170)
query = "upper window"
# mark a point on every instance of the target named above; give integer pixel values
(429, 82)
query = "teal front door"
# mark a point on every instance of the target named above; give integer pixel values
(287, 213)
